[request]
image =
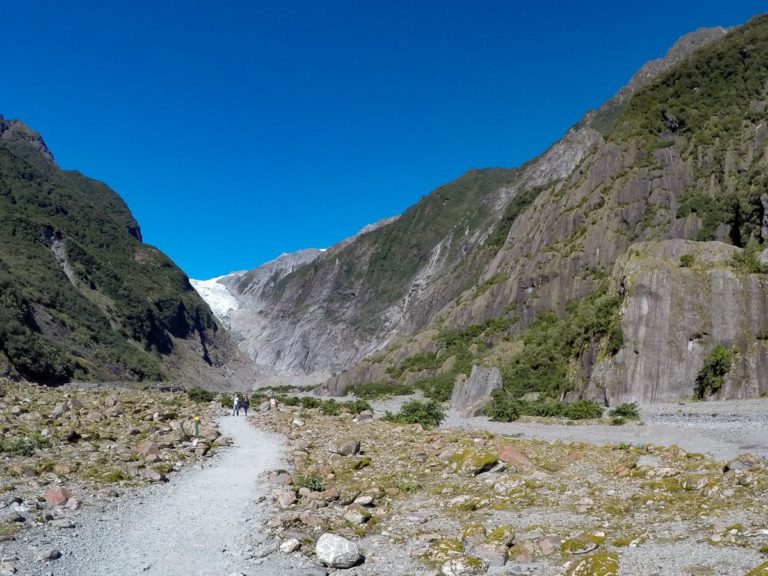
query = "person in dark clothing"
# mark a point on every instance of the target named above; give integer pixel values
(245, 404)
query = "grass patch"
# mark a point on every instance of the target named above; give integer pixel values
(377, 390)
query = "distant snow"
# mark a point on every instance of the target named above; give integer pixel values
(218, 297)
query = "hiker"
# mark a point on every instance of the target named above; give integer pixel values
(272, 404)
(236, 406)
(246, 405)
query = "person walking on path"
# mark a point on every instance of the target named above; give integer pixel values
(246, 405)
(236, 406)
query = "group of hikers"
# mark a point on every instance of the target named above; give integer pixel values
(238, 403)
(243, 404)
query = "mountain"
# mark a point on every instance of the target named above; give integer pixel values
(81, 296)
(623, 264)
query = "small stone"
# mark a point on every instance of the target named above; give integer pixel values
(290, 545)
(357, 515)
(336, 551)
(7, 569)
(298, 422)
(63, 523)
(364, 500)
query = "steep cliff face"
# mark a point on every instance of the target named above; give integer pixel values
(81, 297)
(682, 300)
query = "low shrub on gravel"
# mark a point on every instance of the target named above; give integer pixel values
(226, 400)
(427, 414)
(627, 411)
(25, 446)
(198, 394)
(309, 481)
(330, 407)
(376, 390)
(504, 408)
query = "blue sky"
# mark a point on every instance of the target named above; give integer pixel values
(239, 130)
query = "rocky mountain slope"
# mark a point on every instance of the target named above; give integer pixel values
(549, 272)
(81, 296)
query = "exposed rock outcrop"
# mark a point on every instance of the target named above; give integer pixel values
(470, 395)
(672, 318)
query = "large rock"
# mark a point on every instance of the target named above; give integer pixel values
(57, 495)
(464, 566)
(337, 552)
(470, 396)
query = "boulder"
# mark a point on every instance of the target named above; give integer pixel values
(284, 498)
(464, 566)
(57, 495)
(290, 545)
(493, 553)
(47, 554)
(345, 447)
(514, 458)
(471, 395)
(337, 552)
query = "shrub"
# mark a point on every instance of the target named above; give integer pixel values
(427, 414)
(687, 260)
(356, 406)
(25, 446)
(198, 394)
(309, 481)
(330, 407)
(626, 410)
(583, 410)
(226, 400)
(618, 421)
(438, 388)
(375, 390)
(712, 374)
(502, 408)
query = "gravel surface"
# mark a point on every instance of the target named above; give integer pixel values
(204, 522)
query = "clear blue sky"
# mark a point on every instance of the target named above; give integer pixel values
(239, 130)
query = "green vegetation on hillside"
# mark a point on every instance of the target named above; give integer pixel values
(80, 295)
(713, 103)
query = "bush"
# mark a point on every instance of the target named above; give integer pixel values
(356, 406)
(626, 410)
(198, 394)
(226, 400)
(712, 374)
(618, 421)
(583, 410)
(438, 388)
(427, 414)
(375, 390)
(309, 481)
(687, 260)
(502, 408)
(330, 407)
(26, 446)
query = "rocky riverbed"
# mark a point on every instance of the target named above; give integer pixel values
(472, 502)
(81, 471)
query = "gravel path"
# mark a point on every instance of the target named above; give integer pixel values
(722, 429)
(204, 522)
